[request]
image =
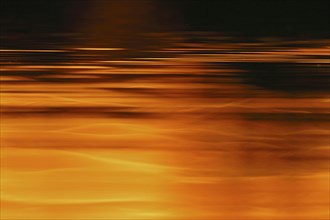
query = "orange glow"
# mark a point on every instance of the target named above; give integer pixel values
(169, 138)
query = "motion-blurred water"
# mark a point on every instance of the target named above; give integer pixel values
(184, 125)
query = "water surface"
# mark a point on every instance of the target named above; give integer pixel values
(185, 125)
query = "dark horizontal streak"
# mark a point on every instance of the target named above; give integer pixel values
(136, 112)
(325, 117)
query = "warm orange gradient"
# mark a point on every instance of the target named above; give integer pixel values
(100, 135)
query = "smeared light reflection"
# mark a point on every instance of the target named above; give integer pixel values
(183, 131)
(97, 48)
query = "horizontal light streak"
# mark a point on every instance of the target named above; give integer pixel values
(35, 67)
(33, 51)
(97, 48)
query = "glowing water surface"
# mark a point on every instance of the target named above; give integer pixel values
(212, 129)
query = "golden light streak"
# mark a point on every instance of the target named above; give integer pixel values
(97, 48)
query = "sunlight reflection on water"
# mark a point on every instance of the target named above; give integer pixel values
(215, 130)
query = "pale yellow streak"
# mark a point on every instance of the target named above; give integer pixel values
(74, 201)
(97, 48)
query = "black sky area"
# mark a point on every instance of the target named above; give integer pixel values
(251, 17)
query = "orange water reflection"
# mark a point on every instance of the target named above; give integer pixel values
(187, 133)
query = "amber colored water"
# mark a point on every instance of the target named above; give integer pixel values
(213, 127)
